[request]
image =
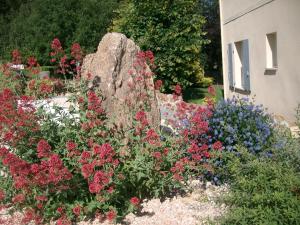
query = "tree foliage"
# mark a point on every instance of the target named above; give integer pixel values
(213, 51)
(32, 26)
(173, 30)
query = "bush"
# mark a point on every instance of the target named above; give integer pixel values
(33, 24)
(173, 30)
(240, 121)
(263, 190)
(66, 166)
(206, 82)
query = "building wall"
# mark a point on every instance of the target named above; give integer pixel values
(252, 20)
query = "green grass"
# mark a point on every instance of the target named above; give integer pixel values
(197, 95)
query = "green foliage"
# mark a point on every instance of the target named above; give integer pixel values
(264, 189)
(213, 51)
(198, 95)
(32, 27)
(70, 164)
(12, 81)
(206, 82)
(173, 30)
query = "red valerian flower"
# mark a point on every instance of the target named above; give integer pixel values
(29, 215)
(56, 45)
(60, 210)
(76, 51)
(43, 149)
(152, 137)
(156, 155)
(41, 198)
(19, 198)
(39, 205)
(63, 221)
(211, 90)
(95, 188)
(177, 89)
(111, 215)
(16, 57)
(217, 145)
(76, 210)
(32, 61)
(135, 201)
(2, 195)
(71, 146)
(158, 84)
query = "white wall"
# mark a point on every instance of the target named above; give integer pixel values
(252, 20)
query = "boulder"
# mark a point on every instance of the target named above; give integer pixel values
(113, 70)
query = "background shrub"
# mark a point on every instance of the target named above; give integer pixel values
(30, 26)
(263, 190)
(173, 30)
(240, 121)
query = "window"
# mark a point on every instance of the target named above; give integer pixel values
(238, 66)
(271, 51)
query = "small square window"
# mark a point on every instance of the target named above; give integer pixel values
(271, 51)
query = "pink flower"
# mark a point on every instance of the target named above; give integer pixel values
(76, 210)
(156, 155)
(32, 61)
(71, 146)
(19, 198)
(217, 145)
(135, 201)
(43, 149)
(2, 195)
(111, 215)
(177, 89)
(56, 45)
(211, 90)
(158, 84)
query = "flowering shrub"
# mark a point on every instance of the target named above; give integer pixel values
(69, 167)
(66, 65)
(239, 121)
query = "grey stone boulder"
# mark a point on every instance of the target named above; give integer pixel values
(109, 71)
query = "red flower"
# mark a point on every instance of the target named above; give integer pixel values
(63, 221)
(2, 195)
(41, 198)
(111, 215)
(71, 146)
(158, 84)
(217, 145)
(211, 90)
(152, 137)
(60, 210)
(43, 149)
(16, 57)
(19, 198)
(32, 61)
(76, 51)
(135, 201)
(39, 205)
(87, 170)
(156, 155)
(56, 45)
(76, 210)
(177, 89)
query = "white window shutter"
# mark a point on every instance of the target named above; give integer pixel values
(230, 65)
(246, 66)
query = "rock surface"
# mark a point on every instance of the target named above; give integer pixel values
(109, 70)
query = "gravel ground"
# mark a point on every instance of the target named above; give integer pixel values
(195, 208)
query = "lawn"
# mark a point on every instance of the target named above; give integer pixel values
(197, 95)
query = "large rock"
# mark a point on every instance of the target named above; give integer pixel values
(109, 70)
